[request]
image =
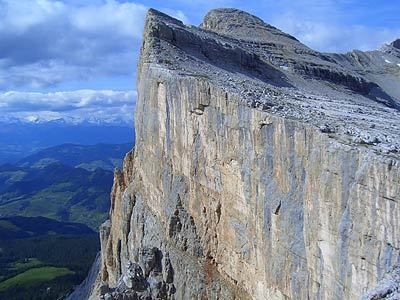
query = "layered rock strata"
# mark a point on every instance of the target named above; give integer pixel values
(262, 169)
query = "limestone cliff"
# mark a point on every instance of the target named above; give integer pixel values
(262, 169)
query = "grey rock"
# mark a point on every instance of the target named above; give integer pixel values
(396, 44)
(84, 290)
(104, 288)
(387, 288)
(108, 296)
(134, 278)
(257, 173)
(326, 128)
(241, 25)
(150, 260)
(168, 271)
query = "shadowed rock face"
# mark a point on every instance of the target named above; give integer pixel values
(262, 169)
(396, 44)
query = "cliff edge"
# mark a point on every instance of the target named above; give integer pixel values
(262, 169)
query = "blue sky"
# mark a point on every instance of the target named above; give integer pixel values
(78, 58)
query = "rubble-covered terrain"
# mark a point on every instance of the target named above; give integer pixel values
(353, 96)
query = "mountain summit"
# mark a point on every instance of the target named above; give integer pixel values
(242, 25)
(262, 169)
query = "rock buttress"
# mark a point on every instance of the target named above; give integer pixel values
(247, 204)
(220, 200)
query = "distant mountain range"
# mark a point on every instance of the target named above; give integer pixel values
(20, 139)
(89, 157)
(18, 227)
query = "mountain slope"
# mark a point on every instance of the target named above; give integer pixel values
(18, 227)
(18, 139)
(89, 157)
(56, 191)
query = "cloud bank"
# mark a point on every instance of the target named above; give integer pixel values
(44, 42)
(338, 25)
(98, 106)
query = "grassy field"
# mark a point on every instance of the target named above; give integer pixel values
(42, 259)
(34, 276)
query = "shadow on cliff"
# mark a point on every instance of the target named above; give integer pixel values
(224, 52)
(216, 50)
(231, 58)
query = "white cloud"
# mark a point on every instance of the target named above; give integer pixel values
(124, 19)
(23, 14)
(44, 42)
(334, 25)
(334, 37)
(80, 105)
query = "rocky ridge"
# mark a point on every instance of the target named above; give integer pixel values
(262, 168)
(272, 71)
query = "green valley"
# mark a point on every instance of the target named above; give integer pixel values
(66, 183)
(42, 258)
(56, 191)
(51, 205)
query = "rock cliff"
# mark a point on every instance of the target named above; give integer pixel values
(262, 169)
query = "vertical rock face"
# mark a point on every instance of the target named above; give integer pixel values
(253, 176)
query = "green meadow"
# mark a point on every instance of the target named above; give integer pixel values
(34, 276)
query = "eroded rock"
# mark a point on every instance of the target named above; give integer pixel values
(257, 173)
